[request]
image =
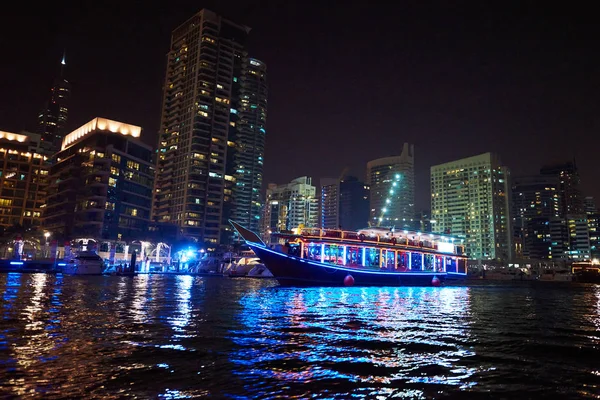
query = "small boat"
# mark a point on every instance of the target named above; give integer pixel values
(242, 266)
(586, 272)
(84, 263)
(369, 257)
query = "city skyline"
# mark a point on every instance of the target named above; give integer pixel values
(457, 95)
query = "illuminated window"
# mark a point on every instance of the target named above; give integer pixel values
(133, 165)
(219, 86)
(116, 158)
(203, 113)
(112, 182)
(114, 170)
(109, 206)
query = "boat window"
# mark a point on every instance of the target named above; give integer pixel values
(402, 260)
(416, 261)
(333, 254)
(93, 258)
(294, 250)
(462, 266)
(353, 256)
(372, 257)
(313, 252)
(428, 262)
(439, 264)
(450, 264)
(389, 259)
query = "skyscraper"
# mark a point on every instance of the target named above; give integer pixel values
(535, 200)
(470, 200)
(211, 142)
(290, 205)
(570, 191)
(330, 204)
(354, 204)
(589, 204)
(392, 206)
(53, 117)
(248, 138)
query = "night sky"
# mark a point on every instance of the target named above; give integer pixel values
(347, 84)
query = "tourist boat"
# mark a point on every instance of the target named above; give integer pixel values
(369, 257)
(84, 263)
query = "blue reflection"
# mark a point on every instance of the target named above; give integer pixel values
(358, 335)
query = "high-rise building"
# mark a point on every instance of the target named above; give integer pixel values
(247, 151)
(470, 200)
(211, 142)
(594, 235)
(589, 205)
(330, 204)
(570, 238)
(100, 186)
(392, 205)
(535, 199)
(23, 181)
(354, 204)
(570, 191)
(291, 205)
(53, 117)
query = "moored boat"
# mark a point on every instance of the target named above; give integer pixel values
(369, 257)
(84, 263)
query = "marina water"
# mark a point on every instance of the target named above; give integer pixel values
(157, 336)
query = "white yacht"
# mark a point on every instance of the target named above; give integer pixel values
(85, 263)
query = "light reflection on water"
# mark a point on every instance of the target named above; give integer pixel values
(190, 337)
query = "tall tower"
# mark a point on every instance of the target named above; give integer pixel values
(249, 116)
(211, 142)
(470, 200)
(393, 203)
(570, 190)
(53, 117)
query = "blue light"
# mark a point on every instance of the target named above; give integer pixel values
(62, 264)
(16, 263)
(190, 253)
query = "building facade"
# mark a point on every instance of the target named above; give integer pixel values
(211, 142)
(589, 205)
(23, 181)
(570, 238)
(329, 215)
(594, 235)
(535, 200)
(392, 205)
(291, 205)
(570, 190)
(470, 200)
(100, 185)
(53, 116)
(353, 204)
(247, 150)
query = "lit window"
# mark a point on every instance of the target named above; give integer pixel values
(219, 86)
(112, 182)
(133, 165)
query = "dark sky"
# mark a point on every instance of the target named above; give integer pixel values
(349, 82)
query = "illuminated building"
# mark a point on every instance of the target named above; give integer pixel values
(23, 179)
(100, 186)
(535, 200)
(211, 140)
(53, 117)
(570, 191)
(594, 234)
(330, 204)
(589, 205)
(470, 200)
(344, 203)
(247, 148)
(398, 201)
(291, 205)
(570, 238)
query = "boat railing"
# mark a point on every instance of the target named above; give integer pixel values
(350, 235)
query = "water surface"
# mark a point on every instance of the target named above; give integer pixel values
(192, 337)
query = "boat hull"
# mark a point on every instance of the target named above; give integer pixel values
(294, 271)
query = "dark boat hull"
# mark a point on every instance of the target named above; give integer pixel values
(294, 271)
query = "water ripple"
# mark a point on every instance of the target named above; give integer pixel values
(184, 337)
